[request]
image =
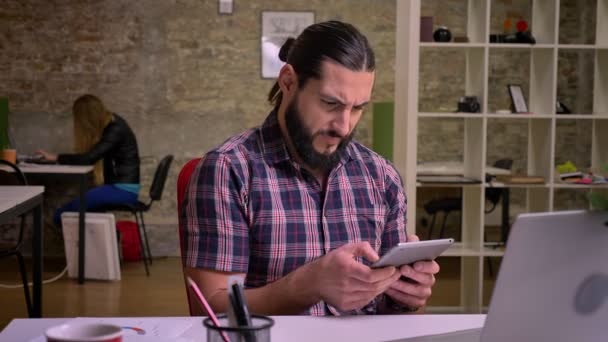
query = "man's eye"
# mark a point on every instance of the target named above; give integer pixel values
(329, 103)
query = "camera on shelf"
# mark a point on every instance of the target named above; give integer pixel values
(468, 104)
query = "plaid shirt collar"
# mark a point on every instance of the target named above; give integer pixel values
(274, 147)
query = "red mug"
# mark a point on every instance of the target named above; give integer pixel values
(96, 332)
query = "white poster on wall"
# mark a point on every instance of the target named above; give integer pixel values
(276, 28)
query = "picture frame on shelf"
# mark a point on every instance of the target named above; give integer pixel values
(277, 26)
(518, 101)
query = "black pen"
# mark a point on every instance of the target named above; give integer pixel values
(241, 311)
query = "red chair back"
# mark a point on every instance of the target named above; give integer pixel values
(182, 184)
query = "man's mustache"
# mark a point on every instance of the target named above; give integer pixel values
(330, 133)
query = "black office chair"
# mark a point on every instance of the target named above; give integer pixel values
(137, 209)
(16, 177)
(450, 204)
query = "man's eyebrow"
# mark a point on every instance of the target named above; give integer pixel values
(363, 104)
(338, 101)
(330, 98)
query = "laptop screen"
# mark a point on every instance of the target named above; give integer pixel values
(553, 281)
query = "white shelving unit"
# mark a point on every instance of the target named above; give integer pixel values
(541, 126)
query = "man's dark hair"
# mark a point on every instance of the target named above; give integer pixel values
(336, 41)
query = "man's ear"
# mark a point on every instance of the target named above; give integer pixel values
(288, 80)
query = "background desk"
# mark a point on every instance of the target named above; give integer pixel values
(67, 173)
(451, 168)
(16, 201)
(300, 328)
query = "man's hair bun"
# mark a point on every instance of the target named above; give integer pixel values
(284, 52)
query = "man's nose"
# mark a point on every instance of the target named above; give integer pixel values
(341, 123)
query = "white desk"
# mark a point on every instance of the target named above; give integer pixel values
(12, 196)
(68, 173)
(55, 169)
(16, 201)
(299, 328)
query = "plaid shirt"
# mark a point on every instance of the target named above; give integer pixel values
(250, 208)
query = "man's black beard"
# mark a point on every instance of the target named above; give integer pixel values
(302, 140)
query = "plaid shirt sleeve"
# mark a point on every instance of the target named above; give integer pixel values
(216, 233)
(394, 229)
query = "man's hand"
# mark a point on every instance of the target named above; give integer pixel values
(337, 278)
(414, 294)
(348, 284)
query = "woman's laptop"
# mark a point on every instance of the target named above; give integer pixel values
(552, 284)
(33, 159)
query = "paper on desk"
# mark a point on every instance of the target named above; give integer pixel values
(138, 329)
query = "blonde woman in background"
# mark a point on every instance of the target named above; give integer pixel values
(103, 139)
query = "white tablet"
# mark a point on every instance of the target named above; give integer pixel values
(407, 253)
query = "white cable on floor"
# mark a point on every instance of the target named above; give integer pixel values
(16, 286)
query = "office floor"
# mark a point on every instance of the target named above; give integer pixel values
(161, 294)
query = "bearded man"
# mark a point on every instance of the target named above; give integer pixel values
(295, 206)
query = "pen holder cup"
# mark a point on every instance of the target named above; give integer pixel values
(259, 331)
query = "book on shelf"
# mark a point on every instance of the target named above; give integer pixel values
(571, 175)
(520, 179)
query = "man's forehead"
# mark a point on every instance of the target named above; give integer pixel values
(344, 84)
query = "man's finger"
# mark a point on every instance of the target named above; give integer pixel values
(417, 290)
(426, 279)
(379, 286)
(426, 266)
(372, 275)
(363, 249)
(413, 238)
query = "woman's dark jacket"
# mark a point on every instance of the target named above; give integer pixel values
(118, 149)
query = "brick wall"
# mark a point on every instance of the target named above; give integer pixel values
(186, 78)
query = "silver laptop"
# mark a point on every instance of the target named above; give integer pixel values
(552, 284)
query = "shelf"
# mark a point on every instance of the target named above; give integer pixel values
(499, 185)
(580, 186)
(512, 185)
(448, 185)
(518, 116)
(430, 77)
(520, 46)
(581, 116)
(458, 250)
(576, 46)
(452, 45)
(496, 185)
(450, 115)
(493, 252)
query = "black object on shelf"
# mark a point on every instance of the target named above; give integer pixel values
(442, 35)
(524, 37)
(468, 104)
(497, 38)
(561, 108)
